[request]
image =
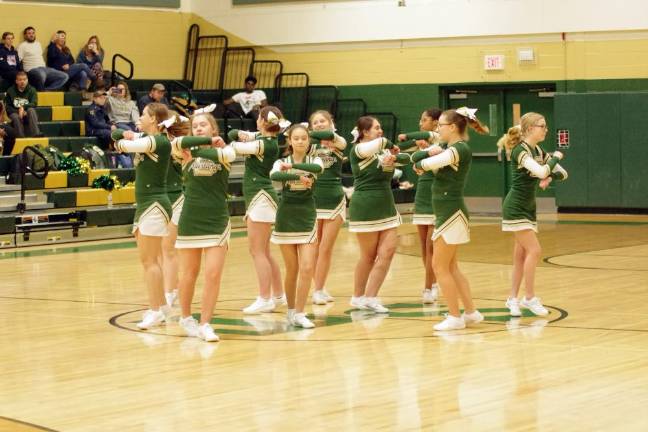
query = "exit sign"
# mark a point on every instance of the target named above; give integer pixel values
(494, 62)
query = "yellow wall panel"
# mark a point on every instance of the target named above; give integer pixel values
(56, 179)
(61, 113)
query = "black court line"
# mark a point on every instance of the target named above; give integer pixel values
(37, 427)
(548, 261)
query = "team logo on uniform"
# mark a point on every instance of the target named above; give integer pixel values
(202, 167)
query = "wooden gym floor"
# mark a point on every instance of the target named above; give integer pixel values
(71, 358)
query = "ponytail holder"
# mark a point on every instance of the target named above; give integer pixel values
(272, 118)
(168, 122)
(355, 134)
(183, 119)
(284, 124)
(205, 110)
(305, 124)
(469, 113)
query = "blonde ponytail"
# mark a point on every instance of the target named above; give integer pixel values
(510, 139)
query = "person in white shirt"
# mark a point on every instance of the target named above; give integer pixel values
(247, 103)
(42, 77)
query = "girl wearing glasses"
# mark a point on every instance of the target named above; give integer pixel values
(450, 167)
(531, 167)
(424, 218)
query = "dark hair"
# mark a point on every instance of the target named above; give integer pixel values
(61, 31)
(27, 29)
(434, 113)
(289, 134)
(263, 114)
(178, 128)
(5, 34)
(251, 78)
(159, 111)
(364, 123)
(462, 122)
(21, 73)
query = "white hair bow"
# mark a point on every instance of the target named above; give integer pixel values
(171, 121)
(467, 112)
(284, 124)
(355, 134)
(207, 109)
(272, 118)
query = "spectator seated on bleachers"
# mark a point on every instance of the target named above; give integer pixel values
(20, 101)
(247, 103)
(97, 121)
(10, 63)
(157, 94)
(121, 110)
(42, 77)
(60, 57)
(92, 55)
(7, 133)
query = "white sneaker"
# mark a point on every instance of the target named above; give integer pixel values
(514, 307)
(189, 325)
(150, 319)
(327, 296)
(260, 305)
(472, 318)
(206, 333)
(300, 320)
(450, 323)
(290, 317)
(359, 302)
(167, 311)
(319, 298)
(430, 295)
(373, 304)
(171, 297)
(534, 305)
(280, 301)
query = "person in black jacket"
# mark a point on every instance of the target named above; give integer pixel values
(157, 94)
(20, 101)
(10, 63)
(7, 134)
(59, 57)
(97, 122)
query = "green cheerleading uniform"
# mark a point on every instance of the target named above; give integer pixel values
(329, 196)
(204, 221)
(260, 155)
(423, 206)
(152, 155)
(450, 169)
(372, 205)
(519, 207)
(297, 215)
(174, 189)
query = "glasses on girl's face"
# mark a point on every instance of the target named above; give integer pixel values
(541, 126)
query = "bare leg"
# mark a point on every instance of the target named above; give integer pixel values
(387, 243)
(170, 259)
(258, 243)
(214, 263)
(277, 288)
(150, 252)
(368, 243)
(518, 268)
(327, 236)
(190, 262)
(532, 253)
(307, 257)
(442, 259)
(291, 261)
(463, 286)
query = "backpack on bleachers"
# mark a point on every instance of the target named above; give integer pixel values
(52, 154)
(95, 156)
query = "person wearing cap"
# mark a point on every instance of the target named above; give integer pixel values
(97, 122)
(247, 103)
(155, 95)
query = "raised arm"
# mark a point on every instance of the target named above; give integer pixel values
(145, 144)
(370, 148)
(447, 157)
(424, 154)
(225, 155)
(277, 174)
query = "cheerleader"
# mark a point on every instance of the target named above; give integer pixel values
(296, 224)
(424, 218)
(450, 167)
(177, 126)
(531, 167)
(204, 224)
(329, 196)
(261, 150)
(153, 210)
(373, 214)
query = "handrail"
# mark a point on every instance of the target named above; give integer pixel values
(25, 168)
(116, 73)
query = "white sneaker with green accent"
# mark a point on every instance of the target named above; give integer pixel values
(374, 304)
(300, 320)
(359, 302)
(472, 318)
(429, 296)
(280, 301)
(150, 319)
(450, 323)
(189, 325)
(534, 305)
(206, 333)
(514, 307)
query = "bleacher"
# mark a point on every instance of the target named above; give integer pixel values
(213, 72)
